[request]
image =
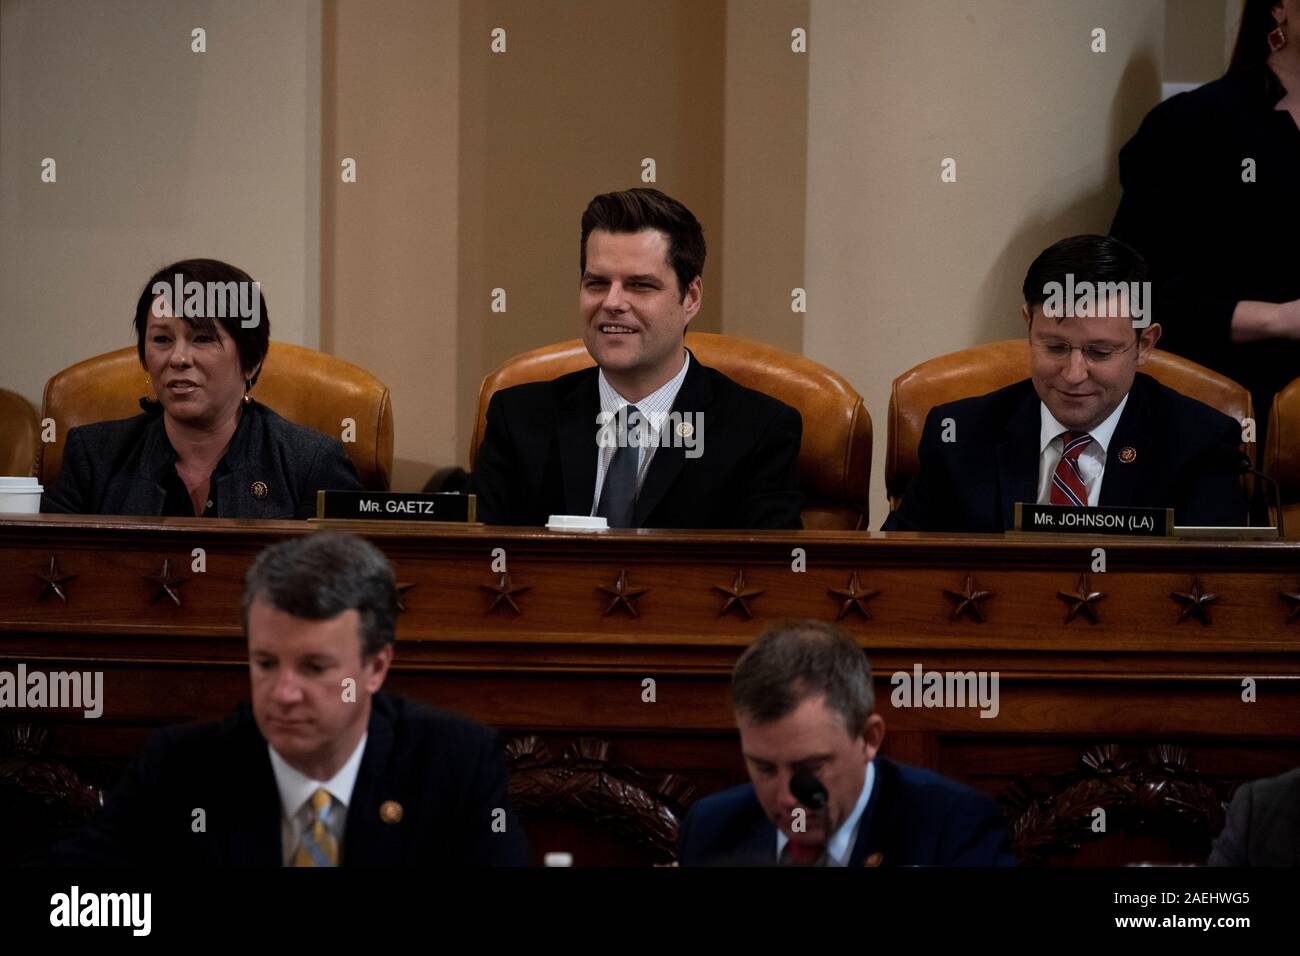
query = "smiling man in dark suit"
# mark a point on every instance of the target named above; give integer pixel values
(1086, 428)
(323, 769)
(650, 438)
(805, 708)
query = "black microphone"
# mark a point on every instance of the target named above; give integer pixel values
(1233, 458)
(809, 791)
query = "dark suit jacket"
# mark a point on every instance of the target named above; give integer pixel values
(912, 818)
(446, 772)
(973, 483)
(118, 468)
(538, 457)
(1263, 826)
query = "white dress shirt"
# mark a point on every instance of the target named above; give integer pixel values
(1092, 460)
(296, 789)
(654, 408)
(840, 848)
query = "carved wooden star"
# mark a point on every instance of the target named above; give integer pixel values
(401, 593)
(737, 594)
(622, 595)
(968, 600)
(1082, 601)
(168, 586)
(1196, 604)
(53, 581)
(505, 590)
(854, 597)
(1292, 598)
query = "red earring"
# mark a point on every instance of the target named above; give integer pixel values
(1277, 38)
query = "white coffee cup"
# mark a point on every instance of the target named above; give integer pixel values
(20, 496)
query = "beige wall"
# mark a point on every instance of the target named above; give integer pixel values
(901, 266)
(585, 90)
(1195, 34)
(389, 240)
(161, 154)
(765, 155)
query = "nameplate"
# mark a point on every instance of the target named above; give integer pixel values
(1103, 519)
(394, 506)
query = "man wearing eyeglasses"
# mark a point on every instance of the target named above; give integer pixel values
(1086, 428)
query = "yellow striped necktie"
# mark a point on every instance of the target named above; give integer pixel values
(317, 846)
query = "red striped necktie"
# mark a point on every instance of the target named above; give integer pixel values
(1068, 487)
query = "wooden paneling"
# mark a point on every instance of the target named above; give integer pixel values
(563, 668)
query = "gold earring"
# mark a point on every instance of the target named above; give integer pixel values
(248, 387)
(148, 389)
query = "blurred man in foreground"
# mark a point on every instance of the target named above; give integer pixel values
(324, 769)
(819, 794)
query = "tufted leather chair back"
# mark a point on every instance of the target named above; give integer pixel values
(20, 435)
(1282, 453)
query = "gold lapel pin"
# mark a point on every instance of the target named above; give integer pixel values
(259, 489)
(390, 811)
(875, 859)
(685, 429)
(1128, 454)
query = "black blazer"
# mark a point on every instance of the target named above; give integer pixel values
(912, 818)
(1263, 826)
(538, 457)
(446, 772)
(118, 468)
(973, 483)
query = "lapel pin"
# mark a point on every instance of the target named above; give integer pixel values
(875, 859)
(390, 811)
(259, 489)
(1128, 454)
(685, 429)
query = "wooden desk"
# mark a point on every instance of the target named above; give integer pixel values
(573, 661)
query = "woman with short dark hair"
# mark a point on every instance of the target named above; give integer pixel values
(1212, 201)
(203, 446)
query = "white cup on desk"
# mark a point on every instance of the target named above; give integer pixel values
(20, 496)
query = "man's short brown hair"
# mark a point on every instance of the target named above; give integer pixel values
(633, 210)
(791, 662)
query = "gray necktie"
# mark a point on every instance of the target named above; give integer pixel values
(618, 494)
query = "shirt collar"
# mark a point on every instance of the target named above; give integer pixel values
(1050, 428)
(841, 845)
(663, 396)
(296, 787)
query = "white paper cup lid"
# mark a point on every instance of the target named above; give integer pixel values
(11, 484)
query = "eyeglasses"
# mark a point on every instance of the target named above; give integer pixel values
(1092, 354)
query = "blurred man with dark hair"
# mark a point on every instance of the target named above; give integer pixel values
(1086, 428)
(805, 708)
(324, 769)
(650, 438)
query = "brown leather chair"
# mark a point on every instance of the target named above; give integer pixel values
(985, 368)
(835, 458)
(303, 385)
(1282, 454)
(20, 435)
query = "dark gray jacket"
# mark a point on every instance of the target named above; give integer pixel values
(118, 468)
(1263, 827)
